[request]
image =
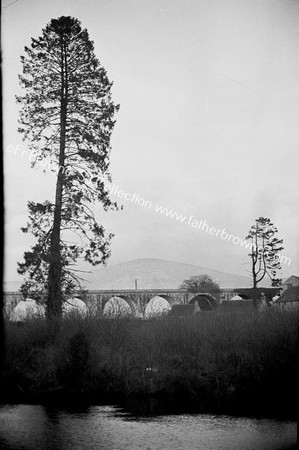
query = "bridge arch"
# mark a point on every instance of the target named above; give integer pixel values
(159, 304)
(244, 296)
(206, 302)
(120, 306)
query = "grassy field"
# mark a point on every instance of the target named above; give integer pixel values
(229, 363)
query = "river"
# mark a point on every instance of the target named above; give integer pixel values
(32, 427)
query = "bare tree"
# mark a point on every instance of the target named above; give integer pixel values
(201, 283)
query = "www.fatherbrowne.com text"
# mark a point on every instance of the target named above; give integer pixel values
(191, 221)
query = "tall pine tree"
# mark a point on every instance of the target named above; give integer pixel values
(265, 248)
(67, 117)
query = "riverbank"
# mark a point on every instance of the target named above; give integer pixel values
(224, 364)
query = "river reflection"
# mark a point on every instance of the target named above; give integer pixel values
(111, 428)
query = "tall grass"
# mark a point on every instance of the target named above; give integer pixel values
(219, 362)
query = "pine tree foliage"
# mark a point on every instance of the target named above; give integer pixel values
(66, 117)
(265, 248)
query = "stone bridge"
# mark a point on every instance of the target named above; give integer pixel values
(136, 299)
(139, 299)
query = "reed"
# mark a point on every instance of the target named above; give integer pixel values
(220, 362)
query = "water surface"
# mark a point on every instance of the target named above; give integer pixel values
(111, 428)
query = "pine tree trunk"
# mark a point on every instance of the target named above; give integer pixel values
(54, 304)
(55, 295)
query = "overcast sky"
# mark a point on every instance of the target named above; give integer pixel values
(208, 123)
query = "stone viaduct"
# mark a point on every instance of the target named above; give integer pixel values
(138, 299)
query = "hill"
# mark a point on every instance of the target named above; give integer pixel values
(156, 274)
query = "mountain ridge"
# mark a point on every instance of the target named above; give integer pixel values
(151, 273)
(154, 273)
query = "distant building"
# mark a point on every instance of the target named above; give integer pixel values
(292, 281)
(289, 298)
